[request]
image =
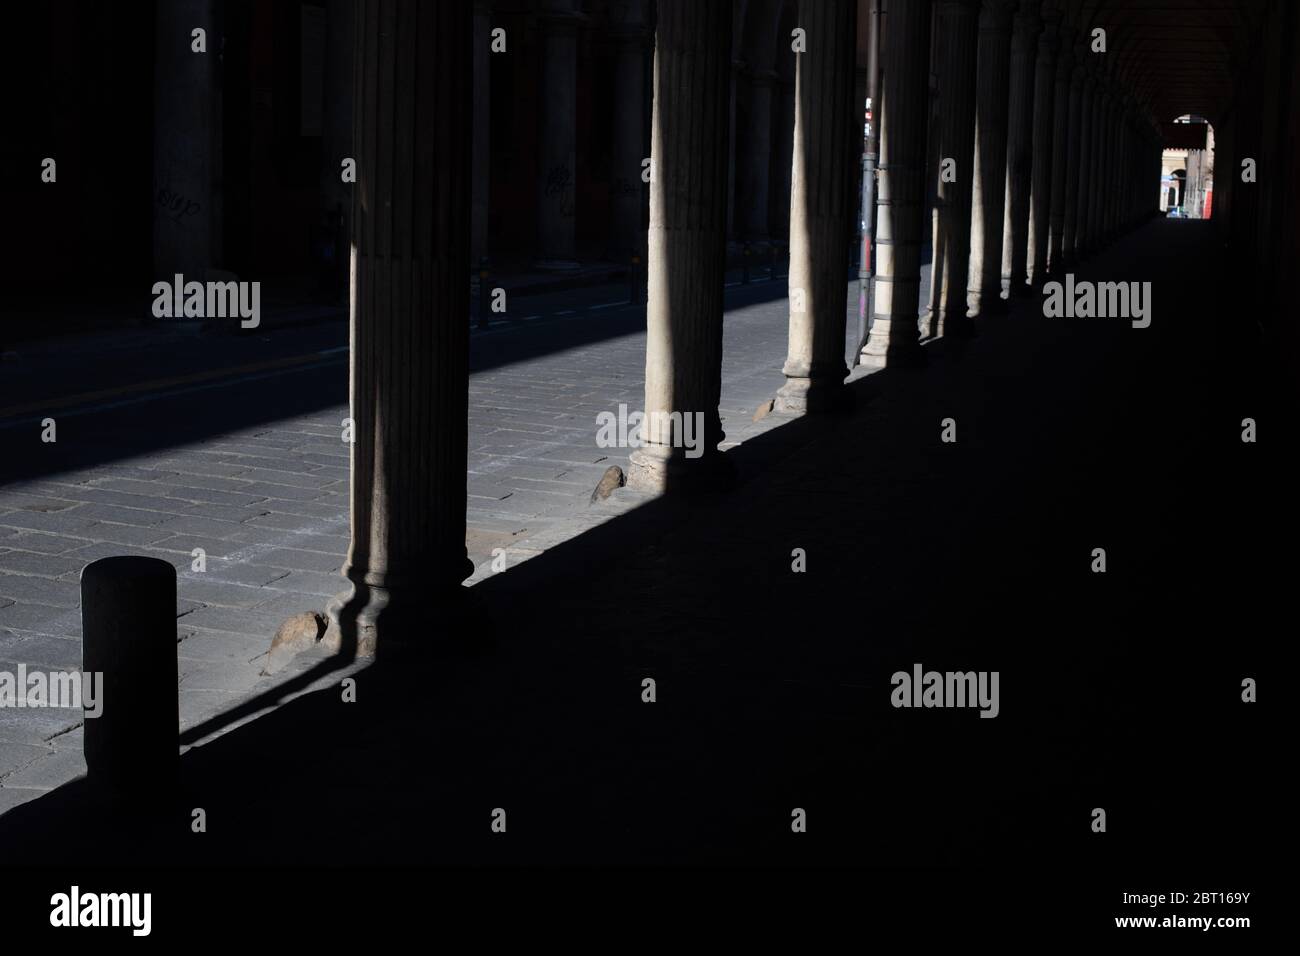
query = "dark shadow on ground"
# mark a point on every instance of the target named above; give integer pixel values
(1118, 690)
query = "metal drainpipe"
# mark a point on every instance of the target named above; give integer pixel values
(870, 155)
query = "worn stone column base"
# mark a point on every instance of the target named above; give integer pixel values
(366, 616)
(802, 396)
(882, 351)
(657, 469)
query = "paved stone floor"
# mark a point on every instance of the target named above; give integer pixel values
(267, 500)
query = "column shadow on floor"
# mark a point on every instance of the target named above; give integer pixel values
(773, 687)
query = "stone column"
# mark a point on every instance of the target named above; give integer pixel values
(957, 31)
(1060, 155)
(1020, 115)
(900, 196)
(187, 141)
(480, 206)
(687, 246)
(1074, 133)
(409, 308)
(987, 201)
(822, 206)
(558, 23)
(1040, 186)
(627, 200)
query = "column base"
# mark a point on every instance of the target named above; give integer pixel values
(365, 616)
(658, 469)
(940, 323)
(884, 350)
(981, 304)
(812, 395)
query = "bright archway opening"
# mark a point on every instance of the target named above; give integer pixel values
(1187, 168)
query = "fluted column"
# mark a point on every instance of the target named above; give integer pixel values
(187, 136)
(1074, 135)
(822, 204)
(687, 244)
(627, 195)
(1040, 186)
(895, 335)
(957, 31)
(556, 188)
(409, 302)
(1020, 115)
(987, 200)
(1060, 154)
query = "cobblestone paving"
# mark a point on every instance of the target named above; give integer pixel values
(268, 505)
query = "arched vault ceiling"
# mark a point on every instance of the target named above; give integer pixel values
(1174, 56)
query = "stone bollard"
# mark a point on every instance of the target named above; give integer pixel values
(128, 626)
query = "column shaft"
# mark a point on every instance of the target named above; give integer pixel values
(957, 30)
(687, 245)
(822, 204)
(409, 302)
(1040, 187)
(900, 193)
(987, 207)
(1020, 115)
(1060, 157)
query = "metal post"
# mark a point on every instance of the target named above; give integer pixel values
(870, 156)
(745, 256)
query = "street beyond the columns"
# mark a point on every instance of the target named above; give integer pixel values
(1071, 433)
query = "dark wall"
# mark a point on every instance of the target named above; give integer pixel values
(79, 81)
